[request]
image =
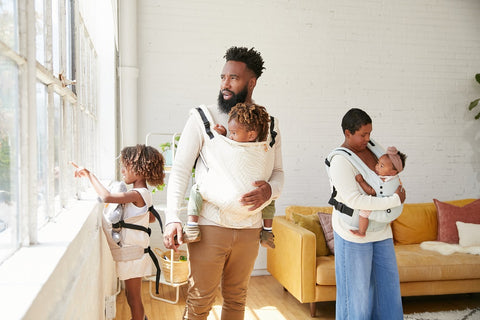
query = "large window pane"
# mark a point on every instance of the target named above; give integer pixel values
(9, 119)
(57, 137)
(40, 30)
(42, 154)
(8, 23)
(56, 36)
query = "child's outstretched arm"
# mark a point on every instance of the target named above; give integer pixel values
(103, 193)
(365, 186)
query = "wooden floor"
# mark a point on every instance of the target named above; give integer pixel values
(267, 300)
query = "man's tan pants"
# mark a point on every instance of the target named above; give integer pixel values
(223, 256)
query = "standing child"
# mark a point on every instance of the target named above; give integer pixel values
(388, 166)
(140, 164)
(246, 123)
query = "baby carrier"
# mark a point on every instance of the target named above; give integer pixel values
(112, 223)
(382, 188)
(232, 168)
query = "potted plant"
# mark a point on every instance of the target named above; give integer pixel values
(167, 150)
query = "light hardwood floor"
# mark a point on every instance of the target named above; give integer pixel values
(267, 300)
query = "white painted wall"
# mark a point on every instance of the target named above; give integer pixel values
(409, 64)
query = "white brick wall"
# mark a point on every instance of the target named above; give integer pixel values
(409, 64)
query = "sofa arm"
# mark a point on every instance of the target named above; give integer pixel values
(293, 261)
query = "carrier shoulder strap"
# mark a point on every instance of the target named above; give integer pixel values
(273, 133)
(339, 206)
(206, 123)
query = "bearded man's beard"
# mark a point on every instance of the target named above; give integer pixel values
(227, 105)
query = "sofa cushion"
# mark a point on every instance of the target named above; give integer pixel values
(326, 271)
(468, 234)
(417, 223)
(416, 264)
(312, 223)
(448, 214)
(326, 223)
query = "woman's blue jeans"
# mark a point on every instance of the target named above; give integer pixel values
(368, 285)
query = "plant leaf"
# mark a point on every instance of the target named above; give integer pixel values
(477, 77)
(477, 116)
(473, 104)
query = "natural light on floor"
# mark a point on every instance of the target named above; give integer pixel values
(268, 312)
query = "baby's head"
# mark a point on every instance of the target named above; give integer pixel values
(391, 163)
(248, 123)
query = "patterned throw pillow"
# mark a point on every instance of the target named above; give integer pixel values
(326, 222)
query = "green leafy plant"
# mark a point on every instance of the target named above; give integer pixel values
(166, 150)
(474, 103)
(168, 145)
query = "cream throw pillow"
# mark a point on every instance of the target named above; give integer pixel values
(468, 234)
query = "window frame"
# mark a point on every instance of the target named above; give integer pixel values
(71, 109)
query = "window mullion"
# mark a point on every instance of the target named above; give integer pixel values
(30, 115)
(50, 154)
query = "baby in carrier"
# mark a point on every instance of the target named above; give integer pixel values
(388, 167)
(246, 123)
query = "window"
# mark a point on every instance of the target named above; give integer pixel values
(45, 118)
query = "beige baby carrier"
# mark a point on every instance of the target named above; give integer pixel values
(113, 222)
(232, 168)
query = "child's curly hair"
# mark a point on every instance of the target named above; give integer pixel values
(145, 161)
(253, 117)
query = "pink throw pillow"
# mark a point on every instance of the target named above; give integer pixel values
(449, 214)
(326, 223)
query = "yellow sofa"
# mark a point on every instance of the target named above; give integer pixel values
(311, 278)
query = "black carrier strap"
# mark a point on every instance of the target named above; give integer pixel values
(343, 208)
(157, 215)
(155, 261)
(206, 123)
(122, 224)
(273, 133)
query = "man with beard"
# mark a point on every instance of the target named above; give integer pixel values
(226, 253)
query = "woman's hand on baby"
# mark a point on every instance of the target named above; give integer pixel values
(258, 196)
(401, 193)
(80, 171)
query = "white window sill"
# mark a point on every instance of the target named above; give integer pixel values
(23, 275)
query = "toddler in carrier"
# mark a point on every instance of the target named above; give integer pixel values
(246, 123)
(388, 166)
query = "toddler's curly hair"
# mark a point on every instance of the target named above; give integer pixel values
(253, 117)
(145, 161)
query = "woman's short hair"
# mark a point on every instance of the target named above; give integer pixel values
(354, 119)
